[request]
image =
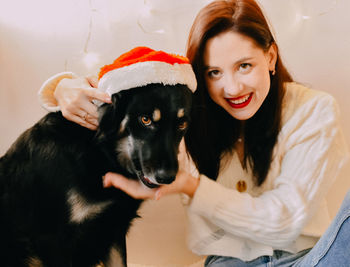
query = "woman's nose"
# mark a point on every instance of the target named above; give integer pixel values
(232, 86)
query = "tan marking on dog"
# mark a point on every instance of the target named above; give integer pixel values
(81, 209)
(181, 113)
(34, 262)
(156, 115)
(124, 148)
(114, 259)
(123, 124)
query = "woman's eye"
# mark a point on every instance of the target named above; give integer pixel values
(146, 120)
(183, 125)
(213, 73)
(244, 66)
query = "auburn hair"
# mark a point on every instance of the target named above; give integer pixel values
(213, 132)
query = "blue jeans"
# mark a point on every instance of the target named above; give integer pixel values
(332, 250)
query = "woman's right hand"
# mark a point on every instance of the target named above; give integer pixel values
(74, 96)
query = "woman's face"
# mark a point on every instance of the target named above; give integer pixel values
(237, 73)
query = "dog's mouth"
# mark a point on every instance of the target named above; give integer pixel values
(140, 174)
(146, 181)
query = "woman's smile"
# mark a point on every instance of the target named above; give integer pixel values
(240, 102)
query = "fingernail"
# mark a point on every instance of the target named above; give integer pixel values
(157, 195)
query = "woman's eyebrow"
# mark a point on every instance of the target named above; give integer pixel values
(243, 59)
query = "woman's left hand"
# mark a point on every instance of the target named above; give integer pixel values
(184, 183)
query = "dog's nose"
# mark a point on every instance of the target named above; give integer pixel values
(165, 180)
(166, 171)
(165, 176)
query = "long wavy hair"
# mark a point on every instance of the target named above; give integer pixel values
(213, 132)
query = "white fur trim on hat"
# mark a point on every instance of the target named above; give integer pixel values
(143, 73)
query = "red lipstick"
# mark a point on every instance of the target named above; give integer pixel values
(240, 105)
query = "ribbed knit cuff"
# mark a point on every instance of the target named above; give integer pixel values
(205, 198)
(46, 92)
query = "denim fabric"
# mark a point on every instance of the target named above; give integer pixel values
(332, 250)
(279, 258)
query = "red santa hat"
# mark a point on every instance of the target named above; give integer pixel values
(141, 66)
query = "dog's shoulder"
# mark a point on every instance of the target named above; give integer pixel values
(52, 142)
(55, 126)
(51, 131)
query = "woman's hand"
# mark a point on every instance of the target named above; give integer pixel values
(133, 188)
(184, 183)
(75, 96)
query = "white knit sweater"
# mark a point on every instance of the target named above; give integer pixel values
(289, 211)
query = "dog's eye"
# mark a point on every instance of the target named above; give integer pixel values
(146, 120)
(183, 125)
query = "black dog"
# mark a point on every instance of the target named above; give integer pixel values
(54, 210)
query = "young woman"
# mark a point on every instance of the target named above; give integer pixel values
(262, 150)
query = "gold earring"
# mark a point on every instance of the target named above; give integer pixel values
(273, 72)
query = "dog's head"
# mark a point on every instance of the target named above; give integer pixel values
(145, 126)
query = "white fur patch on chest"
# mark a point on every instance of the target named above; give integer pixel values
(115, 258)
(81, 209)
(34, 262)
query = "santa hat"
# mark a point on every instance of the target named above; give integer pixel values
(141, 66)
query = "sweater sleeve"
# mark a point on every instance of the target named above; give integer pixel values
(46, 92)
(310, 152)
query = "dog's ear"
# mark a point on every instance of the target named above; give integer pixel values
(110, 117)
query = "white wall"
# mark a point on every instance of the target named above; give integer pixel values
(39, 38)
(314, 38)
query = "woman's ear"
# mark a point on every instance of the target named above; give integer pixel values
(272, 54)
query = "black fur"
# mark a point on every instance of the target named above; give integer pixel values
(57, 159)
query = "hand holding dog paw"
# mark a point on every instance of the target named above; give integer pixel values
(132, 187)
(75, 96)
